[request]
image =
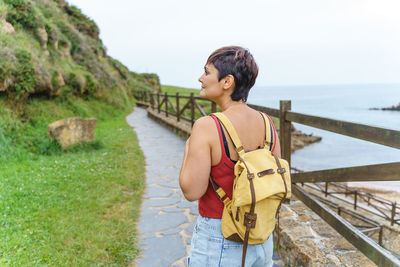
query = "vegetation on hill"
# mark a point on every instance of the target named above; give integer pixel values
(170, 89)
(51, 48)
(75, 207)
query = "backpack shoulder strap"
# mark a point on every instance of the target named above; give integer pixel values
(268, 132)
(231, 132)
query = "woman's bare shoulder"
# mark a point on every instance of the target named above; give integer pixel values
(203, 125)
(204, 122)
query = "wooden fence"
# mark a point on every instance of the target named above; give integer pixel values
(378, 206)
(377, 172)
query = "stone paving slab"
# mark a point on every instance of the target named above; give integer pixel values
(167, 219)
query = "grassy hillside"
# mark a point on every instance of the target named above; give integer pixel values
(75, 207)
(51, 48)
(170, 89)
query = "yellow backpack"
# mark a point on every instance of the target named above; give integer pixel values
(262, 181)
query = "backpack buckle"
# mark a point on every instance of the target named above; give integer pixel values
(250, 219)
(281, 170)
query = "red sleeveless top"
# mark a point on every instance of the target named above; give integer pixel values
(210, 205)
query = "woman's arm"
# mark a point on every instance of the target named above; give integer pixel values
(196, 165)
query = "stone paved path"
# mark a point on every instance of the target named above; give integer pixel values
(166, 221)
(167, 218)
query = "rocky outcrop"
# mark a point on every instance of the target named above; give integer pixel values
(72, 130)
(396, 108)
(43, 37)
(6, 27)
(300, 140)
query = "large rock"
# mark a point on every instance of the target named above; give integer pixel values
(72, 130)
(43, 36)
(6, 26)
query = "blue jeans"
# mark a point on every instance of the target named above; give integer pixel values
(210, 248)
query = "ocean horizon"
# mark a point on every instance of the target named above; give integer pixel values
(347, 102)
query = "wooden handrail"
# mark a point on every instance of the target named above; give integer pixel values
(373, 134)
(386, 172)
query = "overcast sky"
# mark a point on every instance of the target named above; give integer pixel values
(294, 42)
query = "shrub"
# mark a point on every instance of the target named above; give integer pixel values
(71, 36)
(82, 22)
(91, 85)
(54, 80)
(22, 14)
(73, 83)
(24, 73)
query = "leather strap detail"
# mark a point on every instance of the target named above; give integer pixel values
(249, 221)
(281, 171)
(269, 171)
(235, 237)
(245, 243)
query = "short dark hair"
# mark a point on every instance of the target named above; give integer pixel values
(238, 62)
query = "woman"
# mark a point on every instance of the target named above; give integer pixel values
(228, 75)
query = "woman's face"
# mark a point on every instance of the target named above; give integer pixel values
(210, 86)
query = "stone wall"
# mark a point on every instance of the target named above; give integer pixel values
(307, 240)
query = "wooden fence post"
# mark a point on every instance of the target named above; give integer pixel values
(355, 199)
(152, 100)
(166, 104)
(178, 116)
(381, 235)
(158, 102)
(326, 189)
(393, 213)
(192, 107)
(285, 129)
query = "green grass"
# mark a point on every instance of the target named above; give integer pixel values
(69, 208)
(205, 104)
(181, 90)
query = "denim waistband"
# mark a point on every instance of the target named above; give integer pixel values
(213, 226)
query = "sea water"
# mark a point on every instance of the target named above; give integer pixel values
(342, 102)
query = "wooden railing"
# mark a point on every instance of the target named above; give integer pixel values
(377, 172)
(378, 206)
(368, 203)
(183, 107)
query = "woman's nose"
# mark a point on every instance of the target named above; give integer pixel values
(200, 79)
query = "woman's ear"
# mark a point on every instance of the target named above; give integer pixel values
(229, 82)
